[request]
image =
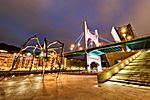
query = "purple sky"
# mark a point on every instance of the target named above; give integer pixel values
(62, 19)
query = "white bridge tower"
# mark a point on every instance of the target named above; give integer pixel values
(89, 58)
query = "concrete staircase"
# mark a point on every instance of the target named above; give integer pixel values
(137, 72)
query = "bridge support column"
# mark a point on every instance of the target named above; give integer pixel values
(123, 46)
(88, 63)
(127, 48)
(99, 68)
(93, 58)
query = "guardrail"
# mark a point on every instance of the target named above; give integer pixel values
(107, 74)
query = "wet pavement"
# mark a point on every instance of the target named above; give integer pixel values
(66, 87)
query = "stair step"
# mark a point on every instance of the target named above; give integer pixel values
(136, 72)
(132, 82)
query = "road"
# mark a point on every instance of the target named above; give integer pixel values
(66, 87)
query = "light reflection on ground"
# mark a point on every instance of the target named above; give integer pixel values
(66, 87)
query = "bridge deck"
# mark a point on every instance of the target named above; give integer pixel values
(135, 44)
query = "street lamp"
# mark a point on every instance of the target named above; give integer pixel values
(28, 54)
(80, 48)
(72, 47)
(123, 30)
(100, 44)
(124, 35)
(79, 44)
(129, 37)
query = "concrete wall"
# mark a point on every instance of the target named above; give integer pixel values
(114, 56)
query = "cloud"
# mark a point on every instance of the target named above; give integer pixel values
(62, 19)
(139, 17)
(108, 8)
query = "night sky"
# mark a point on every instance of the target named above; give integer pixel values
(62, 19)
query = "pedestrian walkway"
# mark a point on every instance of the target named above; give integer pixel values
(137, 72)
(66, 87)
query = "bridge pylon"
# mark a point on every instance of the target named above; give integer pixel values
(89, 58)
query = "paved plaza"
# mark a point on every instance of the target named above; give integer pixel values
(67, 87)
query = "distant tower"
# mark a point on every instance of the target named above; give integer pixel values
(123, 33)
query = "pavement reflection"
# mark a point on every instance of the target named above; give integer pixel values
(65, 87)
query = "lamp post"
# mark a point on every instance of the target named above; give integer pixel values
(80, 48)
(124, 32)
(72, 47)
(129, 37)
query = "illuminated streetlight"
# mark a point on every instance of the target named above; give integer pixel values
(124, 34)
(41, 54)
(100, 44)
(15, 54)
(28, 54)
(79, 44)
(72, 45)
(129, 37)
(71, 49)
(13, 76)
(80, 48)
(123, 29)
